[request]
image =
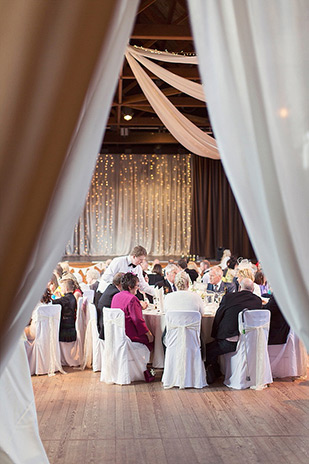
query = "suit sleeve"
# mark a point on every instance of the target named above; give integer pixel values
(218, 317)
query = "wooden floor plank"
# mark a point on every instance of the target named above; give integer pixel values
(84, 421)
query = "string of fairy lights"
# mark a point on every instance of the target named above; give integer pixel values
(161, 52)
(135, 199)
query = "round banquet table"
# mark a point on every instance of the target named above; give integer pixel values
(155, 321)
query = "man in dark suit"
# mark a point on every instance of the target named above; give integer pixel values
(279, 329)
(168, 283)
(216, 284)
(106, 300)
(225, 325)
(183, 264)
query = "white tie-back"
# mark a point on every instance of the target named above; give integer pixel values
(181, 356)
(260, 348)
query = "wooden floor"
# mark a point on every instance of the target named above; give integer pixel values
(82, 420)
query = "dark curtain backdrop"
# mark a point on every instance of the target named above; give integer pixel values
(215, 217)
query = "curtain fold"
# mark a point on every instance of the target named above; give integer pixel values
(59, 66)
(215, 218)
(136, 199)
(254, 62)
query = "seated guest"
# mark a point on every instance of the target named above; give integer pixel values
(225, 325)
(261, 281)
(183, 299)
(182, 263)
(67, 331)
(156, 275)
(279, 329)
(225, 257)
(168, 283)
(105, 300)
(144, 298)
(30, 330)
(230, 272)
(53, 286)
(192, 266)
(204, 271)
(216, 284)
(247, 273)
(92, 278)
(135, 325)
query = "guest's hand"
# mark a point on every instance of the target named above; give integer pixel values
(144, 304)
(149, 336)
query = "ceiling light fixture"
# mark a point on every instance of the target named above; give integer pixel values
(127, 114)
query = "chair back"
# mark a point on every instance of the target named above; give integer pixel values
(92, 355)
(46, 352)
(89, 294)
(249, 366)
(183, 365)
(115, 360)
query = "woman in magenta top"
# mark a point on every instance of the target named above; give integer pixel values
(135, 326)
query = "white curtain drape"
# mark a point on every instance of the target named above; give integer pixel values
(254, 62)
(59, 65)
(187, 133)
(135, 199)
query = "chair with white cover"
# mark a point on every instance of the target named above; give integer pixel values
(183, 366)
(89, 294)
(93, 345)
(289, 359)
(44, 351)
(123, 361)
(249, 366)
(20, 440)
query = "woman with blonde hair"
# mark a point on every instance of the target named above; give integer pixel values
(183, 299)
(247, 273)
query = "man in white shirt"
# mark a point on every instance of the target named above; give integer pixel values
(131, 263)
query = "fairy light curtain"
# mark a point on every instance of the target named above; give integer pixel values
(254, 62)
(136, 199)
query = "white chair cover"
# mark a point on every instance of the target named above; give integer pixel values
(123, 361)
(93, 347)
(89, 294)
(249, 365)
(44, 351)
(183, 366)
(20, 442)
(289, 359)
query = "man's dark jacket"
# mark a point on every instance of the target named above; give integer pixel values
(226, 319)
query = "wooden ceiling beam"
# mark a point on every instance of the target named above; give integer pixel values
(145, 5)
(141, 97)
(185, 102)
(186, 71)
(161, 32)
(138, 138)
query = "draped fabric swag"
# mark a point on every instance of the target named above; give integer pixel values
(136, 199)
(215, 218)
(260, 115)
(187, 133)
(59, 65)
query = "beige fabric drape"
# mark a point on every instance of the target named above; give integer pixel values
(187, 133)
(50, 133)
